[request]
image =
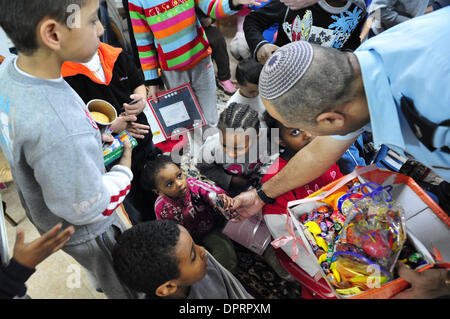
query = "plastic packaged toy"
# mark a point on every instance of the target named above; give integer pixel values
(114, 150)
(358, 240)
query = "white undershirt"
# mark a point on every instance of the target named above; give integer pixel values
(95, 66)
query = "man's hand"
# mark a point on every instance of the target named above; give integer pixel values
(30, 255)
(125, 160)
(249, 2)
(246, 205)
(265, 52)
(428, 284)
(298, 4)
(136, 108)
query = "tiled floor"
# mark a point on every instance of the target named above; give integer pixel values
(56, 277)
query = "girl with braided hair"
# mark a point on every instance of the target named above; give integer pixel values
(235, 157)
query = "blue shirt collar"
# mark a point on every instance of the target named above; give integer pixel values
(384, 117)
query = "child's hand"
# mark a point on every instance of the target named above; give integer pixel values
(265, 52)
(107, 138)
(227, 201)
(137, 108)
(249, 2)
(138, 130)
(31, 254)
(227, 204)
(121, 123)
(153, 91)
(125, 160)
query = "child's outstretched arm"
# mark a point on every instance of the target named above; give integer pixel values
(254, 25)
(217, 9)
(73, 185)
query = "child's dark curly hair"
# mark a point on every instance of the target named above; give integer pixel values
(144, 255)
(238, 115)
(154, 163)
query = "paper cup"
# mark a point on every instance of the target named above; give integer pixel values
(105, 109)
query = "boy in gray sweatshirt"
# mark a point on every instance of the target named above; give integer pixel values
(52, 144)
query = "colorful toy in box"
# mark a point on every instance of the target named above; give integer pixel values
(339, 200)
(114, 150)
(357, 236)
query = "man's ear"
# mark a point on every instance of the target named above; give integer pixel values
(49, 33)
(166, 289)
(331, 118)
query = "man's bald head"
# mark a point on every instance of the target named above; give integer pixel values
(302, 81)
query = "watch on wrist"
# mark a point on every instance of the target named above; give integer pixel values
(266, 199)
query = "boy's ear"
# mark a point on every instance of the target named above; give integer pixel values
(49, 32)
(331, 118)
(166, 289)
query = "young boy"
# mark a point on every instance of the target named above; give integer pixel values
(247, 76)
(53, 145)
(169, 36)
(112, 76)
(160, 259)
(330, 23)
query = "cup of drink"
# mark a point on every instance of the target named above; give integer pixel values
(103, 113)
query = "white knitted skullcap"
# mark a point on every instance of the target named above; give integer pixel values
(284, 68)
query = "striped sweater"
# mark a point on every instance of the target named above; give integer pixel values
(169, 35)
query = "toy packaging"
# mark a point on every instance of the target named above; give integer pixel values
(114, 150)
(352, 233)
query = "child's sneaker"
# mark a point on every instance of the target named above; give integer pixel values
(227, 86)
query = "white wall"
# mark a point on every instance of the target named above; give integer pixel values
(5, 43)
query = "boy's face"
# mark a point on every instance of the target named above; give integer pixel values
(80, 42)
(192, 259)
(171, 182)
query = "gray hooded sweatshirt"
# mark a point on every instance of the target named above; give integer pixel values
(54, 149)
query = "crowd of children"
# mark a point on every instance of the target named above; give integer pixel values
(55, 147)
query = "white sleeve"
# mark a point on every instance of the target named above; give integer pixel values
(118, 183)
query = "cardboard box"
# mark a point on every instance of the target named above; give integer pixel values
(427, 224)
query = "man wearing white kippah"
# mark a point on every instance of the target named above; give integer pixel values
(394, 85)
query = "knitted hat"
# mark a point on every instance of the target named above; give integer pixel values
(285, 68)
